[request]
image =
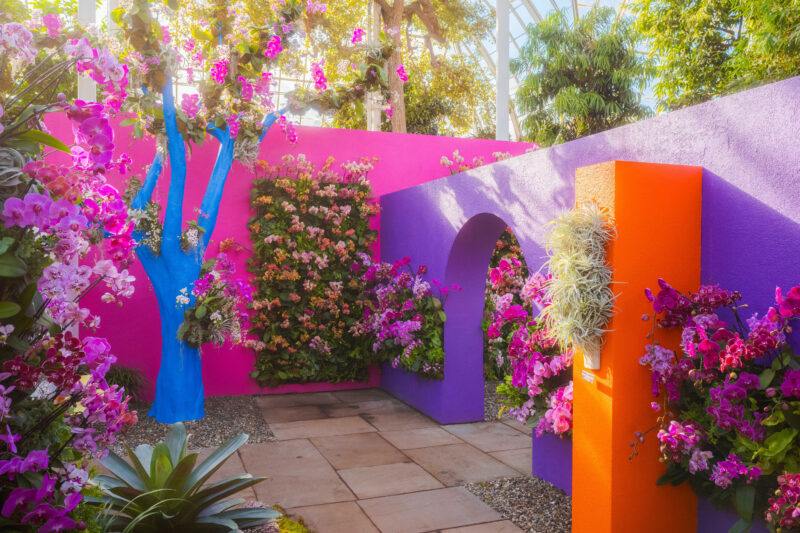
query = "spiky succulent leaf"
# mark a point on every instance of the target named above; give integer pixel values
(177, 442)
(207, 468)
(125, 472)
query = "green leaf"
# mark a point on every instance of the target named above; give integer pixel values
(180, 474)
(201, 311)
(177, 442)
(46, 139)
(11, 266)
(745, 500)
(128, 122)
(5, 244)
(26, 296)
(182, 329)
(160, 465)
(766, 377)
(9, 309)
(742, 526)
(198, 33)
(776, 443)
(442, 316)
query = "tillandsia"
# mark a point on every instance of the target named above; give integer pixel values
(728, 403)
(580, 299)
(217, 305)
(63, 232)
(404, 317)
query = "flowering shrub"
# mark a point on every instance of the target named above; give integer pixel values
(504, 281)
(730, 403)
(219, 312)
(310, 226)
(404, 318)
(57, 412)
(538, 390)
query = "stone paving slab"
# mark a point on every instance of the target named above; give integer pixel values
(345, 517)
(362, 461)
(407, 439)
(490, 436)
(320, 428)
(456, 464)
(431, 510)
(298, 474)
(387, 480)
(365, 407)
(291, 400)
(519, 460)
(295, 413)
(505, 526)
(399, 421)
(363, 449)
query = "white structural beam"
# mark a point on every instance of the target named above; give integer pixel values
(575, 12)
(537, 17)
(502, 90)
(87, 89)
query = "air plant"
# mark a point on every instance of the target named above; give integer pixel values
(581, 300)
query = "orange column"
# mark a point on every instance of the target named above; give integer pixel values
(656, 210)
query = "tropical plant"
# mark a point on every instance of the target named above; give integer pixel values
(728, 404)
(163, 489)
(582, 79)
(228, 53)
(580, 298)
(63, 232)
(707, 48)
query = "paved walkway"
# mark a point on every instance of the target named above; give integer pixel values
(362, 462)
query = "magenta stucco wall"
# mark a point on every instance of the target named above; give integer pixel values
(403, 161)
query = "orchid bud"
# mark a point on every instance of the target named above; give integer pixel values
(771, 392)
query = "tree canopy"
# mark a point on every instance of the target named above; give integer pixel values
(707, 48)
(582, 79)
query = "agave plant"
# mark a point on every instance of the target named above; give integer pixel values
(163, 490)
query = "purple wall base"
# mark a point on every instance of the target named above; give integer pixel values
(713, 520)
(552, 460)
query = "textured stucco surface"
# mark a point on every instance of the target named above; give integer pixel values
(746, 144)
(134, 329)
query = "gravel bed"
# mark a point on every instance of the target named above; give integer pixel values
(532, 504)
(226, 416)
(491, 405)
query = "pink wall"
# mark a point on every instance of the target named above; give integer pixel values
(403, 161)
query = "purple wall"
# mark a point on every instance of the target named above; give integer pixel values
(746, 144)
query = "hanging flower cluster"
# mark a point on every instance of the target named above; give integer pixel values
(730, 404)
(219, 312)
(225, 49)
(404, 317)
(64, 231)
(310, 225)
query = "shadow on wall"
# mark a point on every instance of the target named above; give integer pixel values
(455, 225)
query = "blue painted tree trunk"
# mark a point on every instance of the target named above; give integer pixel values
(179, 388)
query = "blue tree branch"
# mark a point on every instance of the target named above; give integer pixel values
(150, 181)
(173, 220)
(216, 184)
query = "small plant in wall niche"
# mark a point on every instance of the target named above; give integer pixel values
(581, 301)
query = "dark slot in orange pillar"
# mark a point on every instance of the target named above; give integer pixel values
(656, 210)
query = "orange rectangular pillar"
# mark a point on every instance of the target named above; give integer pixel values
(656, 210)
